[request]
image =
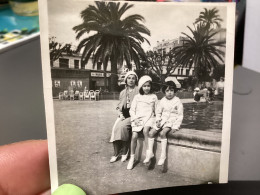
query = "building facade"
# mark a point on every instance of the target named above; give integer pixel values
(166, 46)
(68, 73)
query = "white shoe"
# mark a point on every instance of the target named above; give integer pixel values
(124, 157)
(113, 159)
(148, 157)
(161, 161)
(131, 163)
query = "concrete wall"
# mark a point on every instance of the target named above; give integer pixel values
(191, 153)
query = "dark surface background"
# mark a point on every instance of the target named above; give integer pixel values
(22, 115)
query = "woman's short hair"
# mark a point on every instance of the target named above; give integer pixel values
(136, 80)
(141, 91)
(169, 85)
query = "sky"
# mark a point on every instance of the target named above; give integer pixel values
(164, 20)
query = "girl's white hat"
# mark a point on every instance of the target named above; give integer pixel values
(196, 89)
(143, 80)
(130, 73)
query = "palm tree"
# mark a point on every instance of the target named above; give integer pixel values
(116, 39)
(209, 18)
(58, 49)
(200, 50)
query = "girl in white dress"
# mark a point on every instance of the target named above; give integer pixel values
(142, 114)
(169, 116)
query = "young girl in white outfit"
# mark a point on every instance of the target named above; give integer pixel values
(169, 116)
(142, 114)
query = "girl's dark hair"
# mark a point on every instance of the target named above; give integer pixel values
(141, 91)
(170, 85)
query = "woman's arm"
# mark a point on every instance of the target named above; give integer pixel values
(119, 105)
(132, 110)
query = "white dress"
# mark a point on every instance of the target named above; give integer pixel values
(170, 113)
(143, 109)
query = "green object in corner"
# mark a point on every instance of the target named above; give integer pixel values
(69, 189)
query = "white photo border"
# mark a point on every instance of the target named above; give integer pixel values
(47, 85)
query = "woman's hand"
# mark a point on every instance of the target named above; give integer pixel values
(121, 116)
(137, 122)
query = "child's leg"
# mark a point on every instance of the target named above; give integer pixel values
(163, 135)
(152, 133)
(134, 142)
(149, 149)
(146, 132)
(133, 147)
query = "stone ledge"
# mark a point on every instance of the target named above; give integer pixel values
(196, 139)
(191, 153)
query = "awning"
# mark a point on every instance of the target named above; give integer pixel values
(181, 78)
(178, 85)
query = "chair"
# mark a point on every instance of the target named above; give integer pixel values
(86, 95)
(61, 94)
(66, 95)
(81, 96)
(97, 94)
(92, 94)
(76, 95)
(71, 95)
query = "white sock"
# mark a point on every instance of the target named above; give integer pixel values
(150, 144)
(164, 146)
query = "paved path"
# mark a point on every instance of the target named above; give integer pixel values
(83, 130)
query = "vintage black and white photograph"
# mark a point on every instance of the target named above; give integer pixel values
(137, 94)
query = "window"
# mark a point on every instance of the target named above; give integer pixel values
(56, 83)
(187, 72)
(181, 71)
(76, 63)
(178, 71)
(79, 84)
(72, 83)
(64, 63)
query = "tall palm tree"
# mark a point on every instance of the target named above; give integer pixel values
(116, 39)
(200, 50)
(209, 18)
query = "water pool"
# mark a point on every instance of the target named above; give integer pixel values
(203, 116)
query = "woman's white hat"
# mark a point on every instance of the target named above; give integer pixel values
(196, 89)
(143, 80)
(130, 73)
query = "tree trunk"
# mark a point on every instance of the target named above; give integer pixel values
(105, 79)
(114, 78)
